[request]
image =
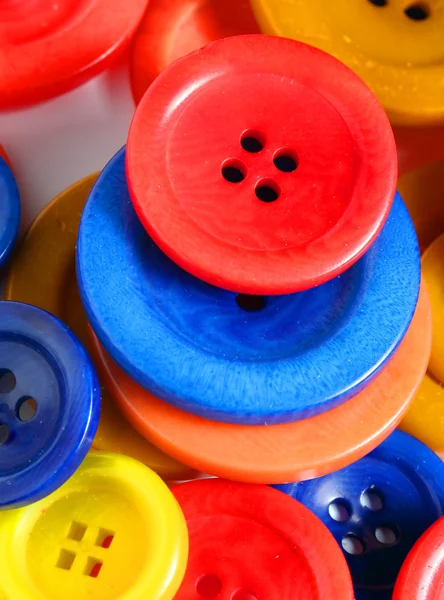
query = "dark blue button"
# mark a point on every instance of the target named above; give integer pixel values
(377, 508)
(49, 404)
(238, 358)
(9, 211)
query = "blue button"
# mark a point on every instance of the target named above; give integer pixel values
(9, 211)
(377, 508)
(231, 357)
(49, 404)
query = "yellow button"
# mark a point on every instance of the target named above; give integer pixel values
(425, 417)
(43, 274)
(423, 192)
(112, 531)
(396, 46)
(433, 270)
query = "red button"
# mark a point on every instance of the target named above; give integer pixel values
(422, 574)
(261, 165)
(172, 28)
(249, 542)
(48, 48)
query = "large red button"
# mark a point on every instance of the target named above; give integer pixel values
(47, 48)
(250, 541)
(261, 165)
(422, 574)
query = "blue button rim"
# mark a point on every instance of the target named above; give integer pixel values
(9, 211)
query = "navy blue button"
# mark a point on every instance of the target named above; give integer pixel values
(377, 508)
(49, 404)
(9, 211)
(231, 357)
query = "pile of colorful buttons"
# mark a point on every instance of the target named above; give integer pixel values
(206, 349)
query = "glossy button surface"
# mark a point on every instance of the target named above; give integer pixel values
(377, 508)
(433, 269)
(423, 192)
(47, 48)
(249, 542)
(9, 209)
(422, 574)
(49, 404)
(113, 531)
(277, 453)
(247, 193)
(171, 29)
(232, 357)
(43, 274)
(396, 46)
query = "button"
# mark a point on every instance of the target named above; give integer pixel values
(423, 190)
(9, 209)
(231, 357)
(113, 531)
(48, 387)
(50, 48)
(43, 274)
(425, 416)
(433, 269)
(395, 46)
(247, 193)
(422, 573)
(250, 542)
(377, 508)
(170, 29)
(418, 146)
(290, 452)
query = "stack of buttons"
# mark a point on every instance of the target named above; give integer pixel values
(249, 274)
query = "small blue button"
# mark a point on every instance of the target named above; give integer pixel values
(9, 211)
(377, 508)
(231, 357)
(49, 404)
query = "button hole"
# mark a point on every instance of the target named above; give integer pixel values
(285, 161)
(5, 434)
(65, 559)
(7, 381)
(250, 303)
(77, 531)
(233, 171)
(25, 408)
(208, 586)
(267, 191)
(339, 510)
(104, 538)
(372, 499)
(388, 535)
(93, 567)
(379, 2)
(252, 141)
(353, 545)
(243, 594)
(418, 11)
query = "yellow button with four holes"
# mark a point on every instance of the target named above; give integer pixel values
(396, 46)
(112, 531)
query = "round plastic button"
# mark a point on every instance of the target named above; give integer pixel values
(433, 269)
(425, 417)
(235, 358)
(244, 191)
(113, 531)
(377, 508)
(9, 209)
(48, 387)
(49, 48)
(171, 29)
(395, 46)
(249, 542)
(423, 192)
(43, 274)
(422, 574)
(294, 451)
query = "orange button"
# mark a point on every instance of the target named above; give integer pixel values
(43, 274)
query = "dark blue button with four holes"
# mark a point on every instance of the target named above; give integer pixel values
(49, 404)
(377, 508)
(9, 211)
